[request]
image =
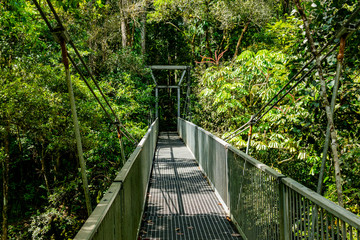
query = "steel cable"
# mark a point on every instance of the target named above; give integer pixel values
(90, 74)
(43, 15)
(88, 85)
(229, 138)
(125, 132)
(298, 81)
(235, 133)
(340, 31)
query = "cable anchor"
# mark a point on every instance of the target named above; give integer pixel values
(60, 35)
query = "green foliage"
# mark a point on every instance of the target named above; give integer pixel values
(286, 34)
(46, 199)
(57, 221)
(290, 136)
(234, 90)
(45, 194)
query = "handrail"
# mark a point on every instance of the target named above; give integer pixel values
(118, 214)
(95, 220)
(264, 204)
(324, 203)
(256, 163)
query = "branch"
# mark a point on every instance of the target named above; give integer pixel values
(285, 160)
(177, 28)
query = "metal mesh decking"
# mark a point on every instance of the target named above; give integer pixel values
(181, 203)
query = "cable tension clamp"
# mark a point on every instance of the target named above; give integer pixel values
(60, 34)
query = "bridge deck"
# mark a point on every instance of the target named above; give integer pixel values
(181, 203)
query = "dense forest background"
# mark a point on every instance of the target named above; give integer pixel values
(242, 52)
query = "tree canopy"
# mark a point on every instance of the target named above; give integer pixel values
(242, 53)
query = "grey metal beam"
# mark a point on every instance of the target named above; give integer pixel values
(178, 101)
(182, 77)
(166, 86)
(168, 67)
(157, 103)
(153, 77)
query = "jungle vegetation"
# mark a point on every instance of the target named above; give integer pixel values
(242, 52)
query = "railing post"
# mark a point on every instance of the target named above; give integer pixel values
(156, 102)
(283, 211)
(121, 143)
(63, 38)
(178, 101)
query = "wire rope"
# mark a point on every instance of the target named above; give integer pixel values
(297, 83)
(339, 32)
(255, 118)
(235, 133)
(89, 72)
(125, 132)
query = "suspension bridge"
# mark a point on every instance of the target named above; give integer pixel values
(190, 184)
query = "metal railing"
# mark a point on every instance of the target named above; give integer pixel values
(118, 214)
(262, 203)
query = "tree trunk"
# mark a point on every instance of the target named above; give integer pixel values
(5, 165)
(56, 166)
(240, 39)
(285, 7)
(19, 138)
(43, 169)
(340, 58)
(132, 35)
(92, 57)
(326, 104)
(123, 24)
(208, 43)
(193, 47)
(222, 41)
(143, 29)
(76, 128)
(207, 13)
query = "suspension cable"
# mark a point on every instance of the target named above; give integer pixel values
(88, 85)
(89, 72)
(303, 77)
(117, 122)
(43, 15)
(294, 77)
(340, 32)
(235, 133)
(297, 83)
(255, 119)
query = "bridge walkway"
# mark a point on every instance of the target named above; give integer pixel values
(181, 204)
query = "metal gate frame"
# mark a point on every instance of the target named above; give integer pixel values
(186, 70)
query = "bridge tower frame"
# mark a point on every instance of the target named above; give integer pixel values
(186, 71)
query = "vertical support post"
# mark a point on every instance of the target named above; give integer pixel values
(186, 105)
(178, 101)
(150, 118)
(283, 211)
(187, 99)
(121, 143)
(340, 58)
(156, 102)
(249, 140)
(250, 134)
(189, 92)
(76, 127)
